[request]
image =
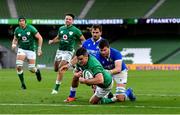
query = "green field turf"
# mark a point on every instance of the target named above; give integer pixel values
(158, 92)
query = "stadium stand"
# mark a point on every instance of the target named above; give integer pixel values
(120, 9)
(4, 11)
(160, 46)
(40, 9)
(169, 9)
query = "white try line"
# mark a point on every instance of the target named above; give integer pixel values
(159, 95)
(114, 106)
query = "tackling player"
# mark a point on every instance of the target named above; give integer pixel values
(111, 60)
(25, 37)
(66, 37)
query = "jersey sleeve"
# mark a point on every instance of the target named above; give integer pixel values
(97, 70)
(15, 32)
(84, 44)
(33, 30)
(78, 33)
(117, 55)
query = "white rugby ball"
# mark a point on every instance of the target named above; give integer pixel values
(87, 74)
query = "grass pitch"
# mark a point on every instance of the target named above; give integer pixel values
(157, 93)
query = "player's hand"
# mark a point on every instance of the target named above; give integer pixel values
(50, 41)
(82, 80)
(39, 52)
(13, 47)
(78, 74)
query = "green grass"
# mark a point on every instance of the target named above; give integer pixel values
(157, 93)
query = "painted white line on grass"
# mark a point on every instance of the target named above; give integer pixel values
(159, 95)
(67, 105)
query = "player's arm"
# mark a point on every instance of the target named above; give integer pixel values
(55, 40)
(14, 43)
(40, 41)
(82, 38)
(117, 68)
(98, 79)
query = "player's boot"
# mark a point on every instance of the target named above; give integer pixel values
(70, 99)
(23, 86)
(54, 92)
(38, 75)
(130, 94)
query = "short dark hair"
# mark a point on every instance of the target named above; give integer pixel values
(81, 51)
(97, 26)
(69, 14)
(21, 17)
(103, 43)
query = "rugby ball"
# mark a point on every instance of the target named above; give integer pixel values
(87, 74)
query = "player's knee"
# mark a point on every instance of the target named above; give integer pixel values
(19, 63)
(120, 93)
(32, 68)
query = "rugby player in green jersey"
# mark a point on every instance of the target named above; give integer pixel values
(67, 36)
(25, 37)
(101, 78)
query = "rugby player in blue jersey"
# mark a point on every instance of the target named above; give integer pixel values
(111, 60)
(91, 44)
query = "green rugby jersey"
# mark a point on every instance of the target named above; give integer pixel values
(68, 36)
(95, 67)
(26, 37)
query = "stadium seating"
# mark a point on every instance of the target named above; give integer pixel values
(120, 8)
(170, 8)
(4, 11)
(160, 46)
(40, 9)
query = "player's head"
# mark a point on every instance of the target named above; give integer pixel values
(96, 32)
(69, 19)
(104, 48)
(22, 21)
(82, 56)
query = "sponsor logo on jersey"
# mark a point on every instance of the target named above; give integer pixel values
(65, 37)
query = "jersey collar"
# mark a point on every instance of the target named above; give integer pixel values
(97, 40)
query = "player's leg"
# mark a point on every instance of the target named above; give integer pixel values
(99, 95)
(121, 80)
(121, 92)
(74, 85)
(19, 66)
(62, 58)
(31, 56)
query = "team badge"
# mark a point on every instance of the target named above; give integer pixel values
(28, 33)
(70, 33)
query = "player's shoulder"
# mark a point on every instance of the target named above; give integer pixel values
(115, 53)
(62, 27)
(89, 40)
(17, 28)
(30, 26)
(114, 50)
